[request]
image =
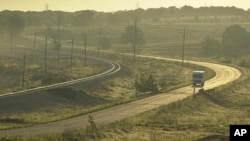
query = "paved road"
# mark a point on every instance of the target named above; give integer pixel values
(111, 68)
(224, 75)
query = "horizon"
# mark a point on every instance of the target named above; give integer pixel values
(118, 10)
(111, 5)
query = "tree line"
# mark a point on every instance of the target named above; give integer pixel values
(90, 17)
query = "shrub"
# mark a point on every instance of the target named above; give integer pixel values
(146, 83)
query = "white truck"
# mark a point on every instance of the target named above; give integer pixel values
(198, 79)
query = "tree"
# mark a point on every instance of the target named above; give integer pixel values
(235, 41)
(129, 37)
(210, 46)
(187, 11)
(83, 18)
(146, 83)
(15, 23)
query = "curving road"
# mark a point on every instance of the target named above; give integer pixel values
(112, 68)
(224, 75)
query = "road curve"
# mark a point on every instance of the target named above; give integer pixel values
(224, 75)
(113, 68)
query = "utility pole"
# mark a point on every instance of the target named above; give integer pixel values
(45, 56)
(34, 45)
(183, 46)
(85, 52)
(24, 61)
(59, 47)
(11, 40)
(59, 36)
(135, 38)
(71, 58)
(100, 39)
(134, 45)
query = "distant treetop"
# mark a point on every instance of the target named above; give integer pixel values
(90, 17)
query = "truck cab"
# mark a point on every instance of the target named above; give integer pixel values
(198, 78)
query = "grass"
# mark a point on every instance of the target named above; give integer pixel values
(36, 77)
(57, 70)
(168, 75)
(122, 90)
(116, 90)
(199, 117)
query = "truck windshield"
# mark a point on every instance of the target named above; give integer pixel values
(197, 75)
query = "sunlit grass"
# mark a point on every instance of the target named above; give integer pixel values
(117, 90)
(189, 119)
(35, 72)
(206, 115)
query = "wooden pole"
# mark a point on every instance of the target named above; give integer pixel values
(183, 46)
(85, 53)
(24, 61)
(134, 45)
(11, 41)
(100, 39)
(45, 56)
(34, 45)
(59, 41)
(71, 58)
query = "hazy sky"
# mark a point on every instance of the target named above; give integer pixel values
(112, 5)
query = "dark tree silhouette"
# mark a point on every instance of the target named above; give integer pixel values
(128, 36)
(235, 41)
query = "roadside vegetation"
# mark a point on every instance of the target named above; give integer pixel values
(117, 90)
(205, 116)
(202, 117)
(34, 72)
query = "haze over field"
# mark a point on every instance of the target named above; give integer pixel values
(111, 5)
